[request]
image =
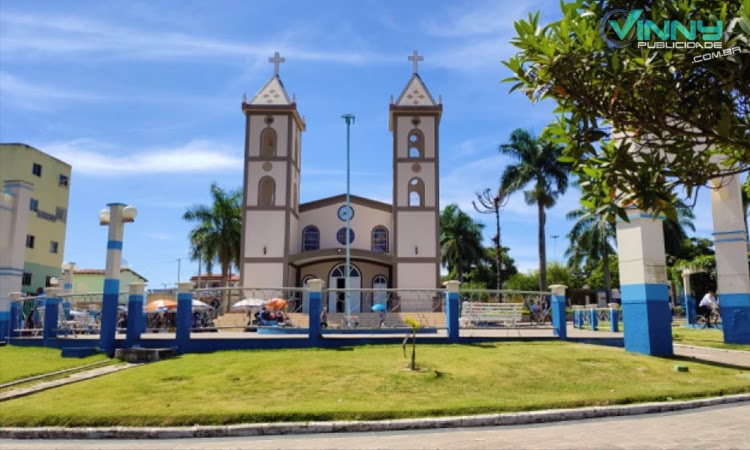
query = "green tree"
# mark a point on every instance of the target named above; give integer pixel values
(661, 98)
(484, 274)
(557, 274)
(536, 165)
(493, 204)
(591, 243)
(460, 240)
(595, 279)
(217, 233)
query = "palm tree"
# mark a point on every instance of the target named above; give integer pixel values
(591, 242)
(218, 232)
(460, 240)
(674, 231)
(537, 165)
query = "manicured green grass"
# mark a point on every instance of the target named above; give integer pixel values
(704, 337)
(370, 382)
(23, 362)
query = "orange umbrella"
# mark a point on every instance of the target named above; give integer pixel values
(168, 305)
(276, 303)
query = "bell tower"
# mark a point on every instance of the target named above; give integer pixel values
(270, 217)
(414, 123)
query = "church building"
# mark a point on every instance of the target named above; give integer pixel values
(286, 243)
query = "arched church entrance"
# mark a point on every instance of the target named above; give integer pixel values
(337, 282)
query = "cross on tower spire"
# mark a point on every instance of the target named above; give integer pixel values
(416, 58)
(276, 60)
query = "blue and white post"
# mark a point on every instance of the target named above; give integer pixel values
(184, 315)
(16, 313)
(559, 316)
(731, 244)
(646, 315)
(135, 314)
(51, 315)
(14, 215)
(115, 217)
(452, 310)
(690, 308)
(314, 309)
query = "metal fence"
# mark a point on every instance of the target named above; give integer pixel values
(482, 308)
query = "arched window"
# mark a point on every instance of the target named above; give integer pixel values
(266, 192)
(341, 236)
(310, 239)
(380, 239)
(268, 143)
(416, 192)
(416, 144)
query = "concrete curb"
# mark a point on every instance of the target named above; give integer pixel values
(267, 429)
(725, 350)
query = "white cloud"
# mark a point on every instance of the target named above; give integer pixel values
(484, 18)
(34, 97)
(94, 158)
(37, 35)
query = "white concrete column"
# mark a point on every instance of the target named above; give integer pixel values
(643, 281)
(14, 215)
(731, 245)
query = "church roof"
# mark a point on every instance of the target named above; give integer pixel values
(337, 199)
(273, 93)
(415, 93)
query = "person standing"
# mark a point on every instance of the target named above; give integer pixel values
(707, 305)
(324, 318)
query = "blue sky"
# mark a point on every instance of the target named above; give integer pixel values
(143, 99)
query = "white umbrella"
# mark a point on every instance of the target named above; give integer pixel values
(247, 303)
(197, 304)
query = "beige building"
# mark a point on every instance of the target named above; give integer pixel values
(286, 243)
(45, 236)
(92, 280)
(213, 280)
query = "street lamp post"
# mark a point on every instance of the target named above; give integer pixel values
(349, 118)
(115, 218)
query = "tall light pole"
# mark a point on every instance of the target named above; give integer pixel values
(115, 218)
(555, 236)
(349, 119)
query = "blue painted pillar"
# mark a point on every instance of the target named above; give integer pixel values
(559, 317)
(691, 311)
(314, 309)
(135, 315)
(115, 217)
(614, 319)
(15, 310)
(184, 315)
(452, 310)
(51, 315)
(593, 319)
(731, 244)
(646, 314)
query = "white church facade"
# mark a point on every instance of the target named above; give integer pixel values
(286, 243)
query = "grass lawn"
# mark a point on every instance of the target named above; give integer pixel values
(23, 362)
(370, 382)
(704, 337)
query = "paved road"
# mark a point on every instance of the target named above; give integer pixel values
(721, 427)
